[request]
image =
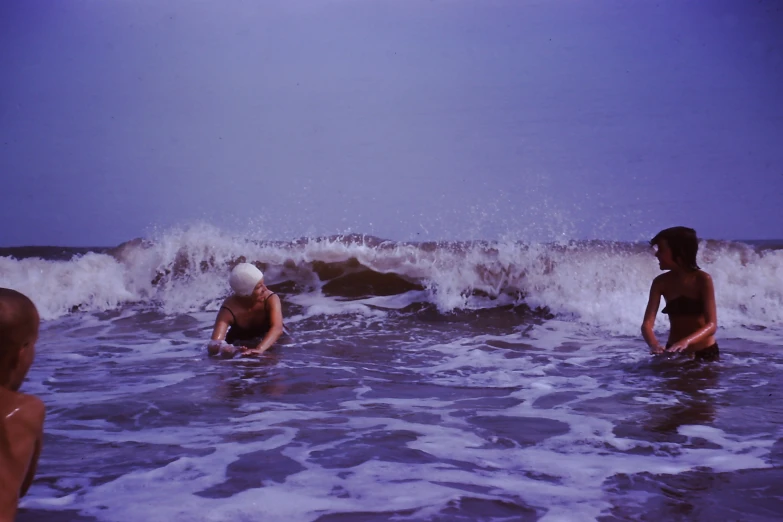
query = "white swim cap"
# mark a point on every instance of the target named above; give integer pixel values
(244, 278)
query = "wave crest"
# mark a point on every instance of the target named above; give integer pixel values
(597, 282)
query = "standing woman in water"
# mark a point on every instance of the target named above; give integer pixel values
(251, 320)
(689, 295)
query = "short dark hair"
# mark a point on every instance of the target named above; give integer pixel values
(683, 243)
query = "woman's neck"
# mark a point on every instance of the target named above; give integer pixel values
(246, 300)
(682, 272)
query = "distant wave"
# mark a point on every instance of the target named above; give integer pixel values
(597, 282)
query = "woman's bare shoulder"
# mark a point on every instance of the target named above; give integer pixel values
(703, 278)
(27, 409)
(662, 280)
(35, 409)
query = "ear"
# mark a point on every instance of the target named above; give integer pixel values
(11, 359)
(9, 362)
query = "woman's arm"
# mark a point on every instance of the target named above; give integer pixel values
(275, 327)
(223, 320)
(653, 302)
(710, 317)
(36, 415)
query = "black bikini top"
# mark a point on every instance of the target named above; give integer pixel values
(684, 305)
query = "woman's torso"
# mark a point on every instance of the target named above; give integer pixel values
(685, 306)
(250, 322)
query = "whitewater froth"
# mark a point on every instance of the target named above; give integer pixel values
(603, 284)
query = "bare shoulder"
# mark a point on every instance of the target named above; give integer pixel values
(661, 281)
(704, 279)
(33, 403)
(32, 410)
(27, 412)
(274, 303)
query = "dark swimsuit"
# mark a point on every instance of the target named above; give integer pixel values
(685, 305)
(237, 333)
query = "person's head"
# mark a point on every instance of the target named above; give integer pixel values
(246, 280)
(19, 323)
(676, 248)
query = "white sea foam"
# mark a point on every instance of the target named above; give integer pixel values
(543, 418)
(600, 284)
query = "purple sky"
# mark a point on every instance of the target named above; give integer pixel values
(405, 119)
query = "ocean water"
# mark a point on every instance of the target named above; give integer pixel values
(472, 380)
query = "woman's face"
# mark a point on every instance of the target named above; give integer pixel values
(664, 255)
(258, 290)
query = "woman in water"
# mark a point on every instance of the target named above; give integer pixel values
(251, 319)
(689, 295)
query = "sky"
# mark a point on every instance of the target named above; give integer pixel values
(427, 119)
